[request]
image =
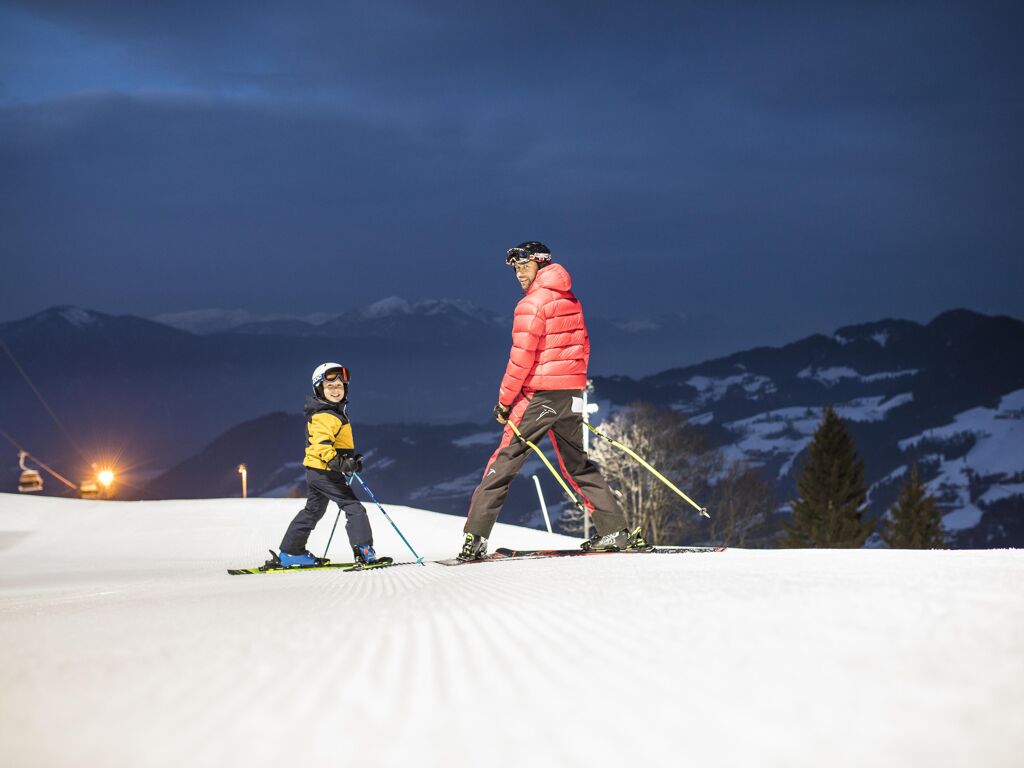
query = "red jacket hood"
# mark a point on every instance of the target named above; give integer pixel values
(552, 276)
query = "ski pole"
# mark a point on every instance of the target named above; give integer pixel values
(652, 470)
(571, 496)
(332, 532)
(419, 559)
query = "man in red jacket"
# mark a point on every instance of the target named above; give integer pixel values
(542, 393)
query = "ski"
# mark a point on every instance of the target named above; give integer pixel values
(513, 554)
(456, 561)
(268, 567)
(503, 553)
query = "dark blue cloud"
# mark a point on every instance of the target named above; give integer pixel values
(783, 168)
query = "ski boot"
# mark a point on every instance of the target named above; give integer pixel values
(619, 541)
(473, 548)
(365, 555)
(306, 559)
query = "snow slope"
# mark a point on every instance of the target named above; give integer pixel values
(987, 472)
(124, 643)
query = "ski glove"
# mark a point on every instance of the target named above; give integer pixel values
(501, 413)
(346, 464)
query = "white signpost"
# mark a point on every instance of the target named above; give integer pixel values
(588, 408)
(543, 506)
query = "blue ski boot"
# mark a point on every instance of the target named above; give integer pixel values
(306, 559)
(366, 556)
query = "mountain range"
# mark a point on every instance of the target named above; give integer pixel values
(946, 394)
(156, 393)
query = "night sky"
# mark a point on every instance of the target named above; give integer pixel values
(776, 168)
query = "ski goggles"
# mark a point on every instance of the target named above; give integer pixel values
(518, 256)
(337, 373)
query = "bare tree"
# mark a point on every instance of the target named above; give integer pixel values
(742, 504)
(679, 451)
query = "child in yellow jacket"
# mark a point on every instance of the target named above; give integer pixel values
(330, 459)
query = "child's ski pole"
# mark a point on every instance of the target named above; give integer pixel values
(332, 533)
(419, 559)
(652, 470)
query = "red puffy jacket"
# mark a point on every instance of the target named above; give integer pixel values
(550, 345)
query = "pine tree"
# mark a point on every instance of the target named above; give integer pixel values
(914, 520)
(830, 509)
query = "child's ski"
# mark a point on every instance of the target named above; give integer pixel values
(273, 566)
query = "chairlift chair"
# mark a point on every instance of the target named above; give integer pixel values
(30, 481)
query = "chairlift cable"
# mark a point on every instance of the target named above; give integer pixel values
(42, 400)
(52, 471)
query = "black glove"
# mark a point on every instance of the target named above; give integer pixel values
(346, 464)
(501, 413)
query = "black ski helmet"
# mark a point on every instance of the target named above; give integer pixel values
(531, 250)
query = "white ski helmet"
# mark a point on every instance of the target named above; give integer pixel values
(320, 373)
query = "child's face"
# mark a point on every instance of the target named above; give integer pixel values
(334, 391)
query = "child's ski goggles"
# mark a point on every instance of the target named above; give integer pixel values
(337, 373)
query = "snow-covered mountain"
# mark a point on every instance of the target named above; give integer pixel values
(155, 395)
(639, 344)
(130, 386)
(391, 317)
(205, 321)
(931, 394)
(126, 645)
(975, 466)
(948, 395)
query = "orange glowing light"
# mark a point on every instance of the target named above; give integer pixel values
(106, 477)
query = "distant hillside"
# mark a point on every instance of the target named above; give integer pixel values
(155, 394)
(152, 394)
(436, 466)
(946, 394)
(949, 395)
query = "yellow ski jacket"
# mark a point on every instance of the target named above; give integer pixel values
(328, 433)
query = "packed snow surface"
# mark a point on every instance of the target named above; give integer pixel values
(124, 643)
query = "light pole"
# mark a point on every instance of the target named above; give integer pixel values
(245, 474)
